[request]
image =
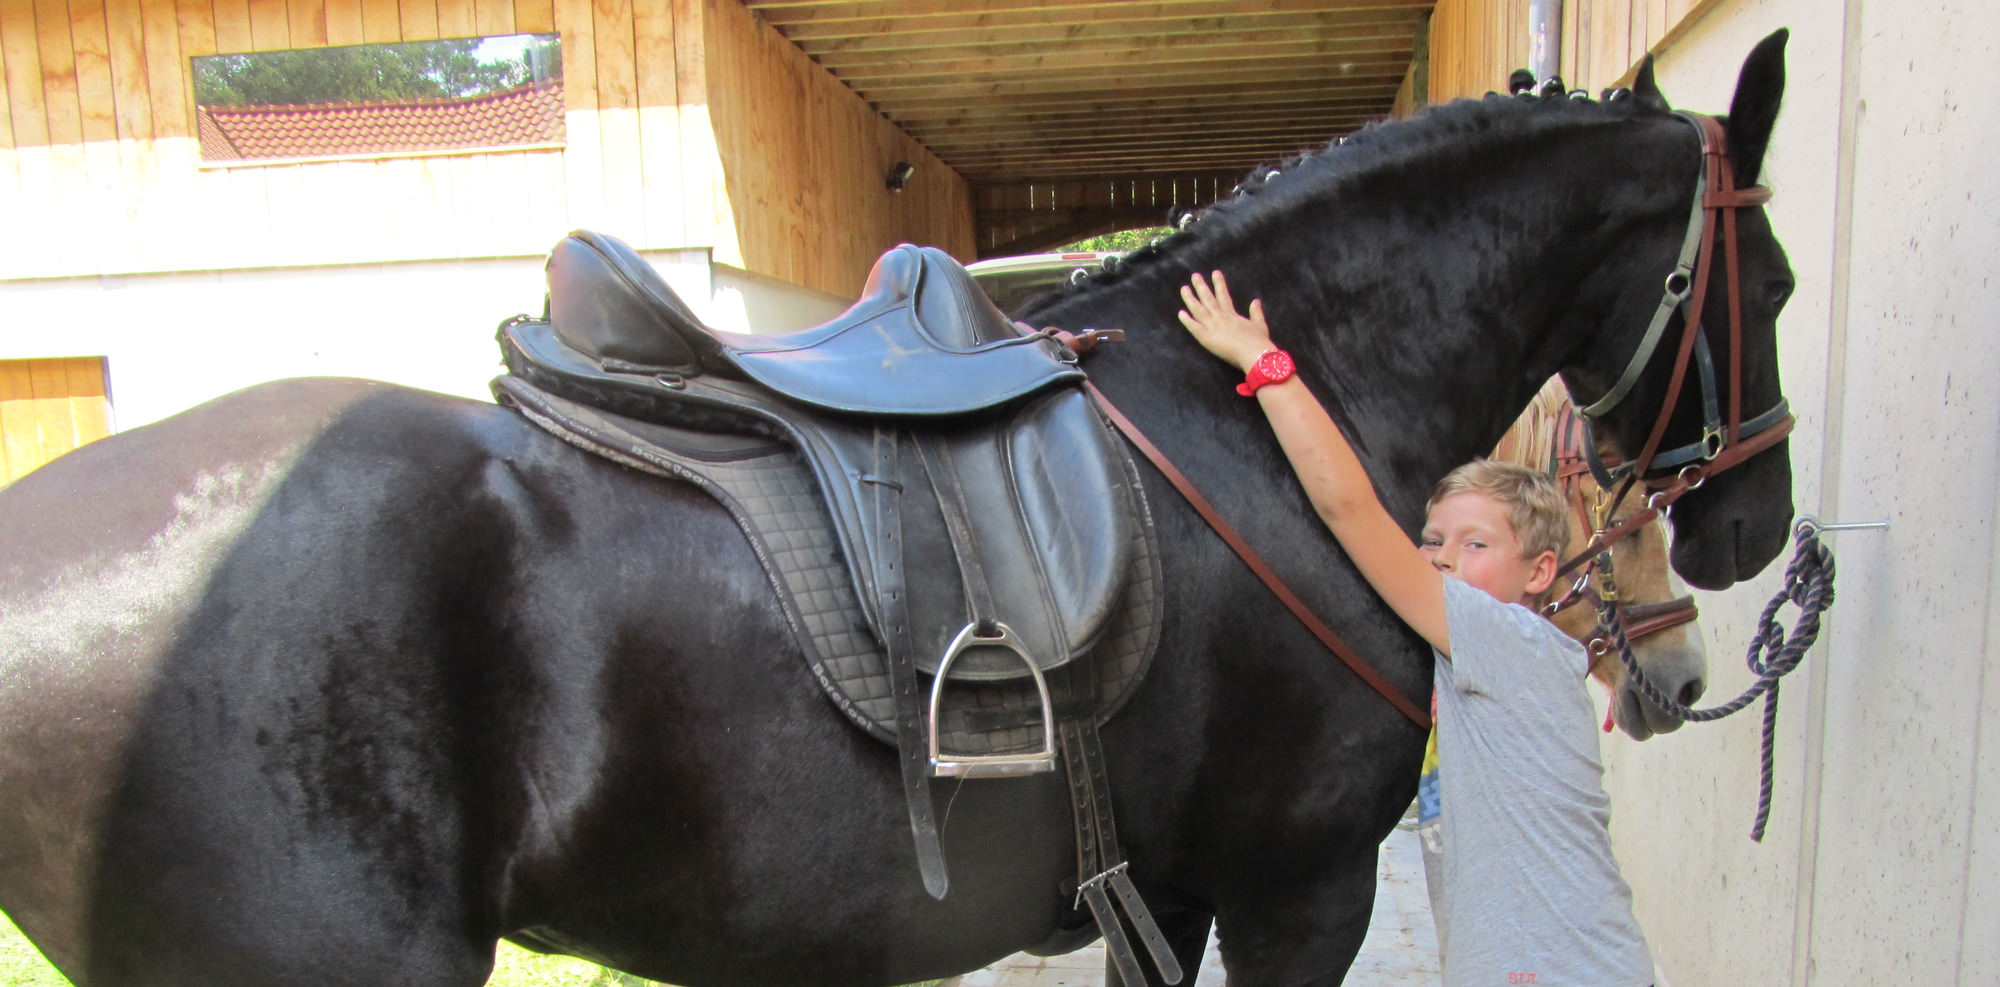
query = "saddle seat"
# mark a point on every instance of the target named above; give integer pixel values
(923, 340)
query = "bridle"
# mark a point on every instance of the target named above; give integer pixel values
(1724, 443)
(1596, 583)
(1716, 197)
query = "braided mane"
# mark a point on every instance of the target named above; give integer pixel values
(1269, 193)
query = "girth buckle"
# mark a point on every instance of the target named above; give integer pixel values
(992, 765)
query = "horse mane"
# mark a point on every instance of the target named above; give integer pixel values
(1268, 192)
(1531, 441)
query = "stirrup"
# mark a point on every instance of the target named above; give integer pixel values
(992, 765)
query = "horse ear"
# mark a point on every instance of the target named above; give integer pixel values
(1646, 90)
(1754, 110)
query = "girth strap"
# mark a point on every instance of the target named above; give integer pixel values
(1100, 861)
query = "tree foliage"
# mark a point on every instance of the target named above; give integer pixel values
(1122, 239)
(447, 69)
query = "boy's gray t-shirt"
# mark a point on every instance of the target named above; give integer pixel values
(1532, 893)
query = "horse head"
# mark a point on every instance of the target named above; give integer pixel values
(1735, 520)
(1658, 614)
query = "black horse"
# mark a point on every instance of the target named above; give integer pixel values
(333, 682)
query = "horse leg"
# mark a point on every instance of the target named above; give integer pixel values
(1187, 936)
(1304, 939)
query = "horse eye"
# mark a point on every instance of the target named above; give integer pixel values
(1779, 292)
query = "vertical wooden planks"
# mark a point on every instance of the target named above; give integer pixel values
(456, 19)
(612, 28)
(583, 154)
(28, 121)
(58, 62)
(270, 25)
(47, 408)
(343, 22)
(381, 21)
(419, 19)
(306, 23)
(55, 430)
(659, 123)
(231, 23)
(493, 17)
(89, 411)
(700, 182)
(132, 102)
(538, 16)
(20, 435)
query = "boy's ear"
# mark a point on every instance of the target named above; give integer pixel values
(1544, 574)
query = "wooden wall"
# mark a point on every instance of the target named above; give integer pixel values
(805, 164)
(1476, 43)
(47, 408)
(100, 172)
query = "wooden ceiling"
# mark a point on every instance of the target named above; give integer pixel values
(1091, 115)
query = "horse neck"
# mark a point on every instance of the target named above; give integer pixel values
(1424, 367)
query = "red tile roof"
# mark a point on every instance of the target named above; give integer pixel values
(531, 113)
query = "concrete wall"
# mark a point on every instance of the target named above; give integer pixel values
(1882, 861)
(172, 341)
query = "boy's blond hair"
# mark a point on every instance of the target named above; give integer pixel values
(1534, 506)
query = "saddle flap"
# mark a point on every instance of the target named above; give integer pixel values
(1048, 528)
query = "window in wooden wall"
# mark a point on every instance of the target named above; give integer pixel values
(47, 408)
(375, 100)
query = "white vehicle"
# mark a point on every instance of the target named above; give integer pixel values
(1011, 281)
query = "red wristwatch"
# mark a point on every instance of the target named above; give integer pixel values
(1273, 366)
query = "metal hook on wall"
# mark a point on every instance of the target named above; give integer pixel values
(1807, 522)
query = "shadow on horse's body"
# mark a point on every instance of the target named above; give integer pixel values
(330, 682)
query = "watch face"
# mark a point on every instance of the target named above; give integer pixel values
(1276, 365)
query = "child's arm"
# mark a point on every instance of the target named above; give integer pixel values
(1334, 481)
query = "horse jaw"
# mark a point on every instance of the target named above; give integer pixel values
(1736, 524)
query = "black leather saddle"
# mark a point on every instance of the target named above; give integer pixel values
(923, 340)
(941, 509)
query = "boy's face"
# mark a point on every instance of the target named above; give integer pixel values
(1469, 538)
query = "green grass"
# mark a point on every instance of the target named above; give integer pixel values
(21, 965)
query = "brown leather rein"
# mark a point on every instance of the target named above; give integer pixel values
(1721, 199)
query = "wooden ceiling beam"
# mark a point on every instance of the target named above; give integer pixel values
(1310, 130)
(1228, 104)
(1154, 104)
(1153, 160)
(1160, 168)
(1313, 126)
(964, 133)
(886, 34)
(1253, 149)
(781, 12)
(1064, 62)
(946, 87)
(1153, 49)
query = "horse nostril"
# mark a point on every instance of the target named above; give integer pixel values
(1692, 691)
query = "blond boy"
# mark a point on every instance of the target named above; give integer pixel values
(1530, 892)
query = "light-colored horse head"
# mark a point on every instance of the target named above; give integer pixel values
(1673, 657)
